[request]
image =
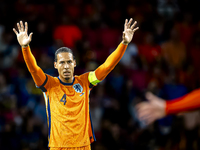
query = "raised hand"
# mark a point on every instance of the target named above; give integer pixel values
(22, 36)
(152, 110)
(129, 31)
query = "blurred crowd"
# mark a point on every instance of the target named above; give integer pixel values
(163, 58)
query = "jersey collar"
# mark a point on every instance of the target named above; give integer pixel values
(66, 83)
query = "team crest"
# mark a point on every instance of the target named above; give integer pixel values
(78, 88)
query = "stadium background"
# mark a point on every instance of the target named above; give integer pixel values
(163, 57)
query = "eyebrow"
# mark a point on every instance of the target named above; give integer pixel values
(69, 60)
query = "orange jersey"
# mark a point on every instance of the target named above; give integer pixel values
(72, 148)
(185, 103)
(67, 104)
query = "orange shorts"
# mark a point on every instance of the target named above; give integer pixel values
(71, 148)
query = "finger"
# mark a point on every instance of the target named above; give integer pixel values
(139, 105)
(125, 25)
(15, 31)
(133, 25)
(26, 27)
(30, 36)
(22, 26)
(18, 26)
(145, 118)
(142, 105)
(135, 29)
(145, 114)
(123, 36)
(144, 111)
(129, 23)
(150, 96)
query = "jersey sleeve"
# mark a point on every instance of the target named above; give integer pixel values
(188, 102)
(39, 77)
(102, 71)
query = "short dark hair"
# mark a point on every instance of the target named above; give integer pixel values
(63, 50)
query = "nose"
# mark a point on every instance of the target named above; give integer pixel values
(66, 65)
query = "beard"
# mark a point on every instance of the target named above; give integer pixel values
(67, 78)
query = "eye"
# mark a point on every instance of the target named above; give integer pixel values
(69, 62)
(62, 62)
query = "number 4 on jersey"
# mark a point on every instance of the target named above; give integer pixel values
(63, 99)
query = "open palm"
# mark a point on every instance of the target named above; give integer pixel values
(151, 110)
(22, 36)
(129, 31)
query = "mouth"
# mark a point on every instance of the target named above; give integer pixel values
(66, 73)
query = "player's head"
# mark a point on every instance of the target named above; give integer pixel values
(65, 62)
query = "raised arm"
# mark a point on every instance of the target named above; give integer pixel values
(102, 71)
(157, 108)
(22, 36)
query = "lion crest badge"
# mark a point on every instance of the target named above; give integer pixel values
(78, 88)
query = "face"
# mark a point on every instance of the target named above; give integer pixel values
(65, 65)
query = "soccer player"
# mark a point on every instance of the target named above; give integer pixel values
(157, 108)
(67, 96)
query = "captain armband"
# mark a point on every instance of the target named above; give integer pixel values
(92, 78)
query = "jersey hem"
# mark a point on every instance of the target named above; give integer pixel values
(70, 146)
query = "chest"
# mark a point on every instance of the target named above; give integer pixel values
(65, 96)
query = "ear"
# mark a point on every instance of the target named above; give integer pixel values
(55, 65)
(75, 63)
